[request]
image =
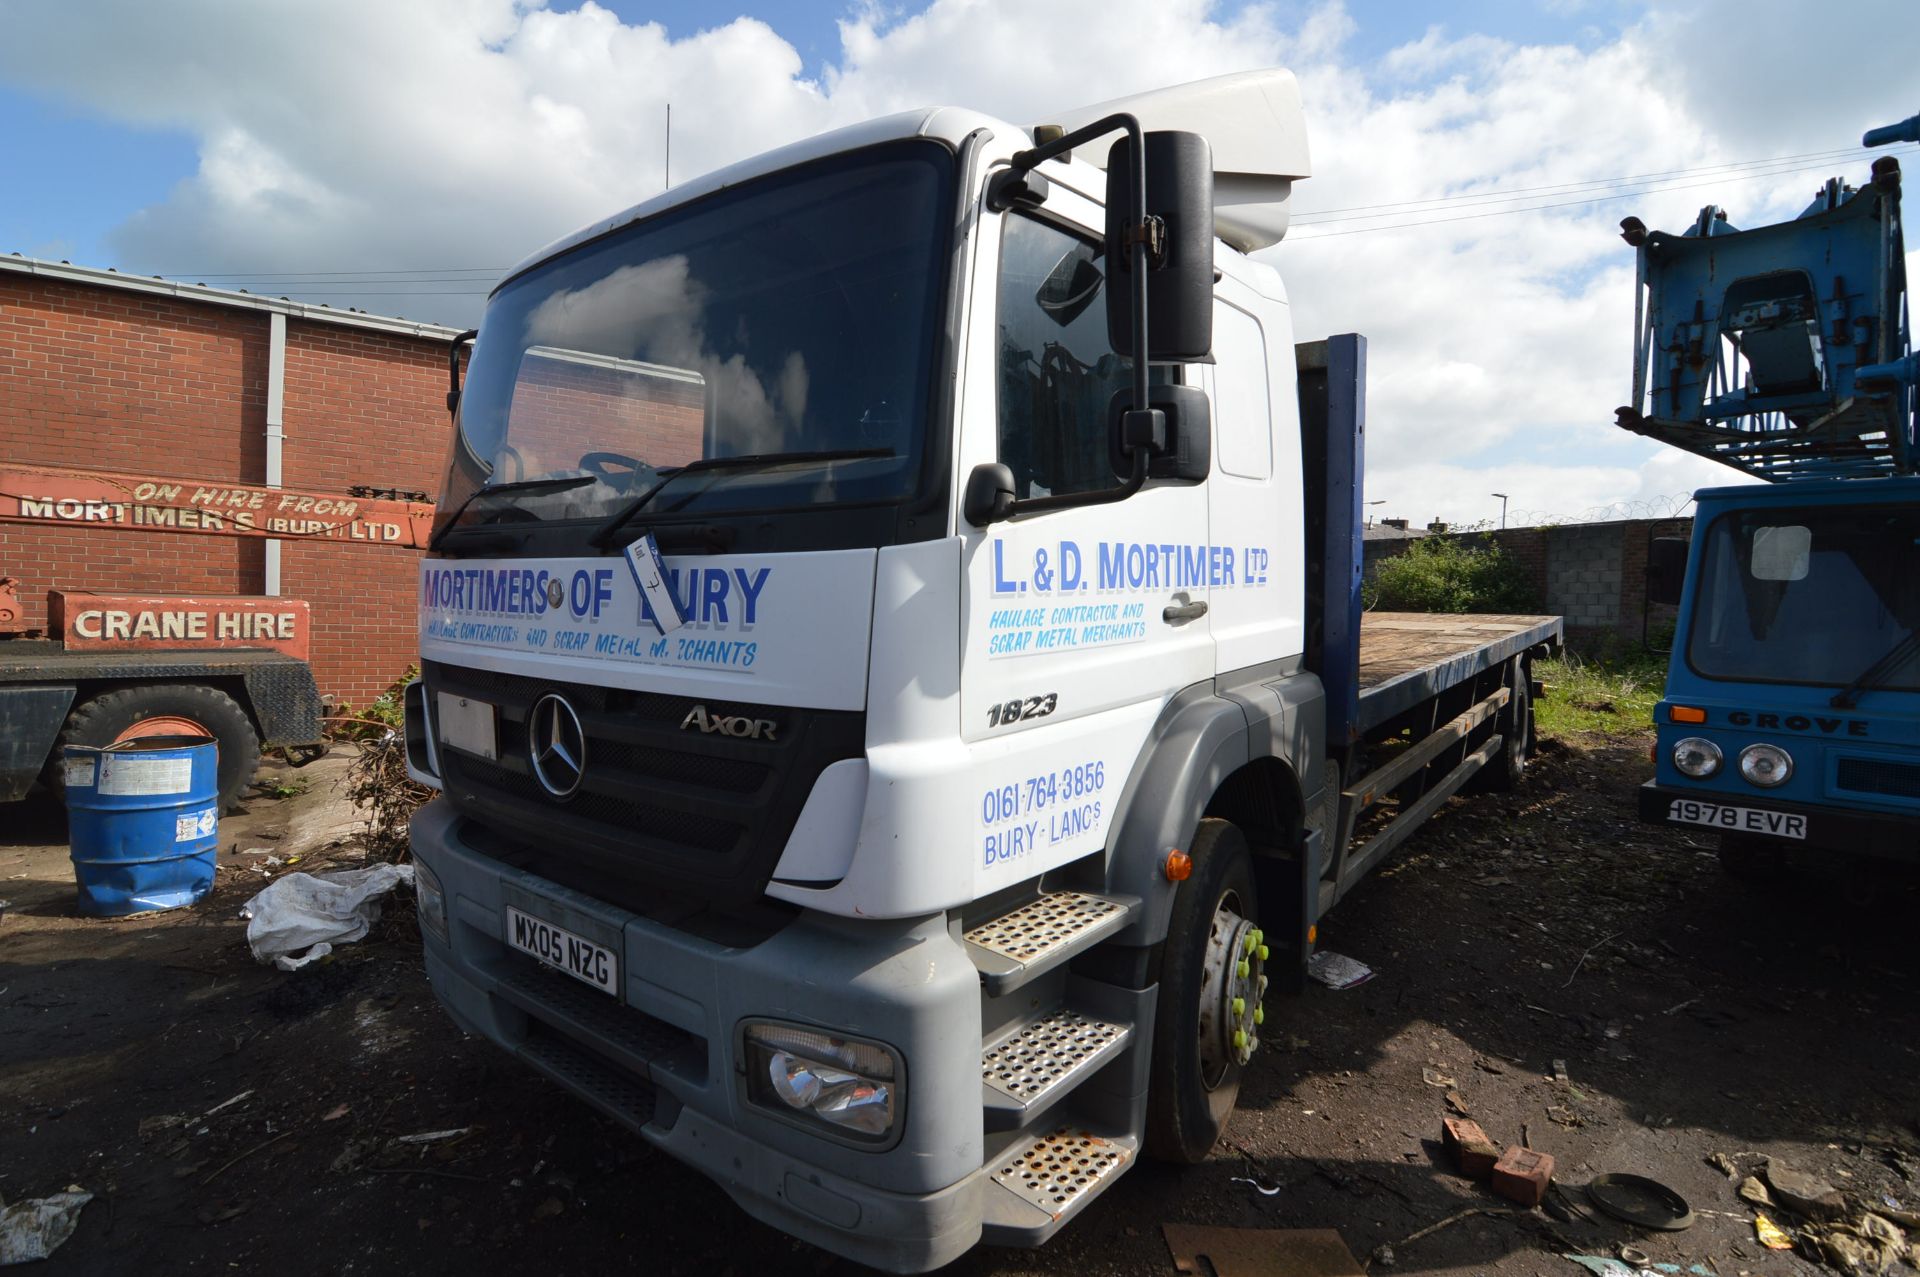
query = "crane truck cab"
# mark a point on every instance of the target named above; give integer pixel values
(892, 658)
(1792, 712)
(1791, 719)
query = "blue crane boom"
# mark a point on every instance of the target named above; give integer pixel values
(1783, 351)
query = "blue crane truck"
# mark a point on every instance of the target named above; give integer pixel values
(1791, 720)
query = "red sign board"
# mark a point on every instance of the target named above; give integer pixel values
(121, 622)
(149, 503)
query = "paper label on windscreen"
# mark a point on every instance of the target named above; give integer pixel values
(650, 574)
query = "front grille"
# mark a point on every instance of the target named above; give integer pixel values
(1878, 776)
(657, 805)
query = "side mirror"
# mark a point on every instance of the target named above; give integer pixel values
(1186, 450)
(989, 494)
(1666, 570)
(1179, 234)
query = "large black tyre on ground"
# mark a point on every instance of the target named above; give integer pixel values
(112, 716)
(1190, 1100)
(1514, 722)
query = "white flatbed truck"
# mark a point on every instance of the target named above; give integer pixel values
(925, 858)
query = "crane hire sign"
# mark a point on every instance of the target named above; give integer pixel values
(127, 622)
(94, 498)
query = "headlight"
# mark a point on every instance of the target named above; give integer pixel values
(1766, 765)
(1696, 756)
(850, 1086)
(430, 900)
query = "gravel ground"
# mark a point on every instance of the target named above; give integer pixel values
(1693, 1017)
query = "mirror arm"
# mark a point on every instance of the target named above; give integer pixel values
(453, 367)
(1139, 237)
(1140, 233)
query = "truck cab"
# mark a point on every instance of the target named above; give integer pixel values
(1782, 730)
(892, 658)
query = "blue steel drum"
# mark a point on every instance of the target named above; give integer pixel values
(143, 820)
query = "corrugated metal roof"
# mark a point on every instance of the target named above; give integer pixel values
(65, 272)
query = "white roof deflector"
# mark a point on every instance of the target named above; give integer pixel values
(1254, 123)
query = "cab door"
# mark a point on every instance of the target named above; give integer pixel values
(1254, 494)
(1078, 625)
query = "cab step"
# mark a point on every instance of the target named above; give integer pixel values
(1040, 935)
(1030, 1066)
(1045, 1179)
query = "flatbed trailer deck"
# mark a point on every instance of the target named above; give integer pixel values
(1438, 696)
(1408, 657)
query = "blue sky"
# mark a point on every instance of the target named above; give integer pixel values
(107, 169)
(266, 143)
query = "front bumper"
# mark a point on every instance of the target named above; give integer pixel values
(663, 1058)
(1879, 834)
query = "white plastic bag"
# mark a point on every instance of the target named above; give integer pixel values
(306, 915)
(35, 1229)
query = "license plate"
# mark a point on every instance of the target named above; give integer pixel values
(1740, 820)
(468, 725)
(556, 947)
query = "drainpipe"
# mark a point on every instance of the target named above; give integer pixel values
(276, 434)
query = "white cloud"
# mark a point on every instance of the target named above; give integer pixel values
(440, 133)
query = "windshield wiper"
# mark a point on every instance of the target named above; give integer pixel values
(603, 535)
(559, 483)
(1872, 676)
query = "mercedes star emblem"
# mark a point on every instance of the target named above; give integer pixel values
(556, 745)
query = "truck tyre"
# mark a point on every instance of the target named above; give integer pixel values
(1514, 722)
(164, 709)
(1204, 1027)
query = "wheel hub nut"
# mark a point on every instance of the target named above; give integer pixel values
(1233, 984)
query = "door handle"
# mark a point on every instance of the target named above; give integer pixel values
(1182, 612)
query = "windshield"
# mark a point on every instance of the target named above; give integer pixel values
(1809, 596)
(794, 314)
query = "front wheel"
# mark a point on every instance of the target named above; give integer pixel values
(1206, 1027)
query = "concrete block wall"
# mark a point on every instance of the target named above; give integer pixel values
(1593, 574)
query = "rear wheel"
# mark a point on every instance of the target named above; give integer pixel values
(164, 709)
(1515, 725)
(1205, 1027)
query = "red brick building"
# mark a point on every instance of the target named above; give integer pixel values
(115, 372)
